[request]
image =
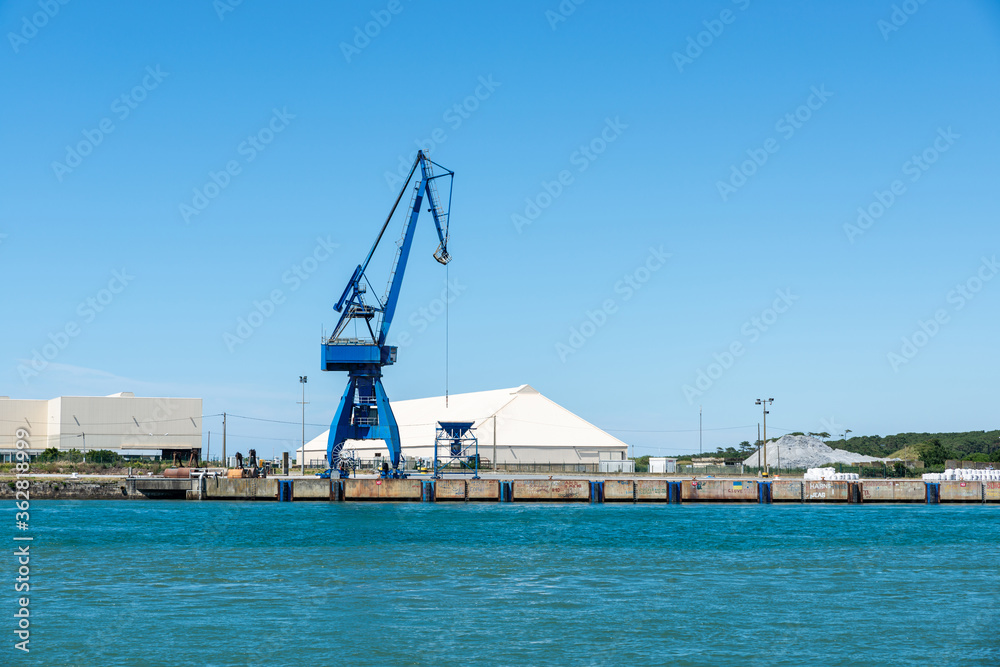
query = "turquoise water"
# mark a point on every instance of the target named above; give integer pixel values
(214, 583)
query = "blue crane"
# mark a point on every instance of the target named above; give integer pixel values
(364, 412)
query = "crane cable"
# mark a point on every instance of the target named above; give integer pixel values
(447, 288)
(447, 321)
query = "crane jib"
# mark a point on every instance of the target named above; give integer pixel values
(347, 290)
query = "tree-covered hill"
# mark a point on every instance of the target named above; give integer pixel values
(961, 445)
(971, 445)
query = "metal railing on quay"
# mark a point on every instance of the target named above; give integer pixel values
(547, 468)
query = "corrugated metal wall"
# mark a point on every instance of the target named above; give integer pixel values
(29, 415)
(115, 422)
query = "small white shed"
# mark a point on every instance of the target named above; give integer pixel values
(662, 465)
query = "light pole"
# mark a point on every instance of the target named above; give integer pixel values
(84, 436)
(303, 379)
(765, 402)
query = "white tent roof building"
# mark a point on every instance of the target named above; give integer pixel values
(516, 425)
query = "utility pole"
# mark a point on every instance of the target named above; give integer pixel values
(82, 435)
(225, 462)
(494, 443)
(303, 379)
(208, 449)
(699, 430)
(765, 402)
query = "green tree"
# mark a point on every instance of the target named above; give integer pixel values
(933, 453)
(103, 456)
(50, 454)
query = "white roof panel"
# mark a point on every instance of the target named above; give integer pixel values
(524, 419)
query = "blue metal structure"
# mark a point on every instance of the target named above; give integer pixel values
(364, 412)
(459, 444)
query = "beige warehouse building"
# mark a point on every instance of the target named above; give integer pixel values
(121, 422)
(516, 425)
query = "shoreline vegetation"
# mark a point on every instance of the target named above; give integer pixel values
(933, 449)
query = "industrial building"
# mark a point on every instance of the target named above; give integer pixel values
(121, 422)
(513, 426)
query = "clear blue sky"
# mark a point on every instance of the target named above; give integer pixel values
(830, 103)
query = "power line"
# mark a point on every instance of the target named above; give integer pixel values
(688, 430)
(275, 421)
(325, 425)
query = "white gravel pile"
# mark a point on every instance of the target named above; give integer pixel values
(802, 451)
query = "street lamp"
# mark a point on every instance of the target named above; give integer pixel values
(765, 402)
(303, 379)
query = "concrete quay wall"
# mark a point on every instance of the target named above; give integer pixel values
(520, 490)
(383, 489)
(311, 489)
(551, 490)
(719, 491)
(221, 488)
